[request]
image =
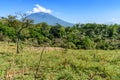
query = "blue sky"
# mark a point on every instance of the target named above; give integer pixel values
(75, 11)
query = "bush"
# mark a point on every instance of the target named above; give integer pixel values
(87, 43)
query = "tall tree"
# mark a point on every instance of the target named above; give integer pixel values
(18, 25)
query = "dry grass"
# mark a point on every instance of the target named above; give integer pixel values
(58, 63)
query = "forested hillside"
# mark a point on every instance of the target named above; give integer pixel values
(80, 36)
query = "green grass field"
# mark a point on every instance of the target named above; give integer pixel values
(58, 64)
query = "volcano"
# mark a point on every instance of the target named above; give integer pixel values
(48, 18)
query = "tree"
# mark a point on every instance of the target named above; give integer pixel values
(18, 25)
(113, 30)
(88, 43)
(45, 28)
(57, 31)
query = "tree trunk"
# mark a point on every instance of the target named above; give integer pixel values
(18, 39)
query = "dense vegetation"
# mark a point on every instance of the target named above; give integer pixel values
(52, 62)
(80, 36)
(58, 64)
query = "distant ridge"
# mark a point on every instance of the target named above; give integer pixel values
(48, 18)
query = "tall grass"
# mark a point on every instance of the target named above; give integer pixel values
(58, 63)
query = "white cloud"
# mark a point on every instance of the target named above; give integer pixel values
(115, 20)
(39, 8)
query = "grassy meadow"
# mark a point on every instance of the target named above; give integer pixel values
(57, 63)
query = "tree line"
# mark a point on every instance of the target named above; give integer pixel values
(79, 36)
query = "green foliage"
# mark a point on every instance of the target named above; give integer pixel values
(7, 32)
(57, 31)
(80, 36)
(88, 43)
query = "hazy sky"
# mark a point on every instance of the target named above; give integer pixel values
(75, 11)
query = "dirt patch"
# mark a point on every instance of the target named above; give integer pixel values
(46, 48)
